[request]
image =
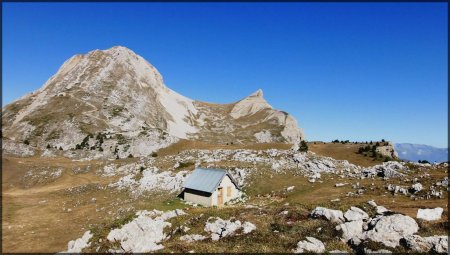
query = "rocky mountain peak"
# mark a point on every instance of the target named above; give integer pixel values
(250, 105)
(258, 93)
(118, 93)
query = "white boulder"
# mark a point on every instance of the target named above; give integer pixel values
(381, 209)
(354, 213)
(311, 244)
(79, 244)
(430, 214)
(381, 251)
(372, 203)
(416, 187)
(417, 243)
(350, 230)
(335, 216)
(339, 251)
(390, 229)
(192, 238)
(248, 227)
(290, 188)
(221, 228)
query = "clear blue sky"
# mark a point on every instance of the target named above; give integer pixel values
(357, 71)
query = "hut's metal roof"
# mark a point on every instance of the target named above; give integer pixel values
(206, 180)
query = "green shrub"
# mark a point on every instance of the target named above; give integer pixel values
(120, 139)
(303, 146)
(185, 164)
(26, 142)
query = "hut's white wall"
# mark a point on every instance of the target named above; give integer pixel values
(224, 184)
(194, 198)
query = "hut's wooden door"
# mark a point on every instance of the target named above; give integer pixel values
(220, 196)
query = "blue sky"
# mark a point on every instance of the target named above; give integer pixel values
(357, 71)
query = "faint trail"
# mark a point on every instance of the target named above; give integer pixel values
(67, 181)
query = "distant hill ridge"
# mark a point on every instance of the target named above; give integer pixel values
(416, 152)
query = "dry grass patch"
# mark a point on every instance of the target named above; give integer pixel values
(340, 151)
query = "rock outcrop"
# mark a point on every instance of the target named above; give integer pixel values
(387, 150)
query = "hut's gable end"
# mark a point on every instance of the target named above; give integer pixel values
(229, 191)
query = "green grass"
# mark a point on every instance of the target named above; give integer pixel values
(188, 164)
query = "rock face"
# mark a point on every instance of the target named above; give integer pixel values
(430, 214)
(113, 102)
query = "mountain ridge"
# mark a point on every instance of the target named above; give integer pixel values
(118, 93)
